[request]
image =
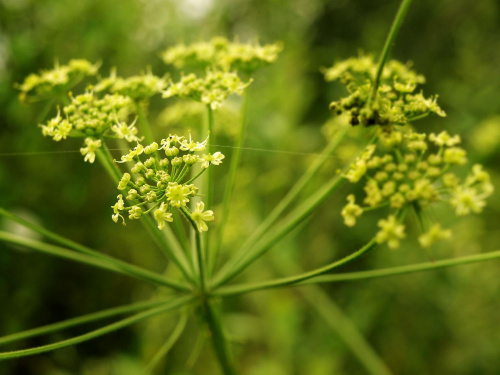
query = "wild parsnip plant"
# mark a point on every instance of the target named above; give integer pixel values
(168, 184)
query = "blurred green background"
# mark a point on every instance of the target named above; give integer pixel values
(442, 322)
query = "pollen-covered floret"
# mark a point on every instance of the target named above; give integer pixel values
(159, 184)
(223, 54)
(397, 101)
(414, 172)
(212, 89)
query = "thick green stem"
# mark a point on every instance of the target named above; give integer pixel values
(288, 224)
(88, 318)
(230, 184)
(175, 303)
(122, 268)
(219, 340)
(247, 288)
(288, 199)
(391, 37)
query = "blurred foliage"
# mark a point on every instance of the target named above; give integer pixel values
(444, 322)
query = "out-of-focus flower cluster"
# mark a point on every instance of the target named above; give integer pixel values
(56, 82)
(140, 87)
(159, 184)
(222, 54)
(95, 118)
(405, 169)
(212, 89)
(397, 101)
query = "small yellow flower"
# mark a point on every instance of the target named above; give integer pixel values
(199, 216)
(162, 216)
(90, 149)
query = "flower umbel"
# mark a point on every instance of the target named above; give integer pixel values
(160, 185)
(405, 169)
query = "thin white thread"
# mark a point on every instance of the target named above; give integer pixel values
(36, 153)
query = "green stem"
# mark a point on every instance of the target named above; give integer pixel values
(196, 176)
(346, 329)
(108, 165)
(166, 241)
(199, 251)
(288, 199)
(175, 303)
(165, 348)
(144, 123)
(103, 314)
(45, 111)
(337, 320)
(289, 223)
(130, 269)
(122, 268)
(363, 275)
(219, 340)
(230, 184)
(209, 176)
(391, 37)
(247, 288)
(419, 267)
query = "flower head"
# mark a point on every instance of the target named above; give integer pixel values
(159, 185)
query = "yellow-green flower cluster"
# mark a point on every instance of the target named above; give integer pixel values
(397, 101)
(55, 82)
(212, 89)
(138, 87)
(223, 54)
(408, 169)
(159, 184)
(93, 117)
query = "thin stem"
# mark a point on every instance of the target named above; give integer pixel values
(144, 123)
(346, 329)
(196, 176)
(288, 199)
(45, 111)
(210, 173)
(199, 251)
(131, 269)
(107, 163)
(392, 271)
(128, 270)
(166, 241)
(391, 37)
(219, 340)
(92, 317)
(172, 339)
(289, 223)
(175, 303)
(363, 275)
(247, 288)
(230, 184)
(337, 320)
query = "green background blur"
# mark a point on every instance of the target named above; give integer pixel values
(442, 322)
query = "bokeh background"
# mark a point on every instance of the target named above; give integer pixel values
(442, 322)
